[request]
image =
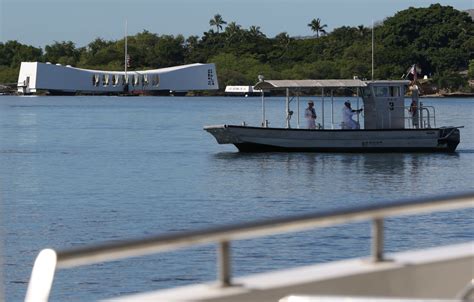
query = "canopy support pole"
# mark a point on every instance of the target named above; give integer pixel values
(288, 108)
(332, 110)
(358, 105)
(298, 109)
(264, 122)
(322, 107)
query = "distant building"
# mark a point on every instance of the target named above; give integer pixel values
(35, 77)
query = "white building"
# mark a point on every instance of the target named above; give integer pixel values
(57, 79)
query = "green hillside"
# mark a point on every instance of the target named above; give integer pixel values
(440, 39)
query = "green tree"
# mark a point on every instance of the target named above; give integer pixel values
(97, 45)
(217, 21)
(62, 52)
(12, 53)
(317, 27)
(281, 46)
(471, 69)
(193, 50)
(363, 31)
(450, 81)
(233, 31)
(169, 51)
(233, 70)
(438, 38)
(255, 32)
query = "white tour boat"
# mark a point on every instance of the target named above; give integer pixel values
(387, 127)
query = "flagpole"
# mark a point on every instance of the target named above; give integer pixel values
(373, 50)
(126, 54)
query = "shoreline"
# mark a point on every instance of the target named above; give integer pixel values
(456, 94)
(449, 95)
(434, 96)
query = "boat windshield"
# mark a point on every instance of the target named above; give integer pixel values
(366, 92)
(381, 91)
(394, 91)
(386, 91)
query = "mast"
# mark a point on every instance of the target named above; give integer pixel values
(126, 53)
(332, 109)
(322, 106)
(287, 102)
(373, 50)
(264, 124)
(261, 78)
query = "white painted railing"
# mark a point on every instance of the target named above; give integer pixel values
(48, 261)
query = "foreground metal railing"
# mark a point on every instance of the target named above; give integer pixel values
(48, 261)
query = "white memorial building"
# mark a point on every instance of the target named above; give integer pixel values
(37, 77)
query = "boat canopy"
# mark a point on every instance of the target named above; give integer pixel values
(383, 100)
(283, 84)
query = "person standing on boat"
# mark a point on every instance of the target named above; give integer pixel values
(347, 113)
(310, 115)
(414, 113)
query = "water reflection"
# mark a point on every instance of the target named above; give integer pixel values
(374, 175)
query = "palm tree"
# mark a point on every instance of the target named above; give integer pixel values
(233, 28)
(362, 30)
(317, 27)
(254, 31)
(192, 42)
(233, 32)
(283, 41)
(217, 21)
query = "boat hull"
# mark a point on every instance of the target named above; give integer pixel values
(258, 139)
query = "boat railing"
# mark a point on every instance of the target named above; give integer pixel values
(48, 260)
(425, 119)
(427, 115)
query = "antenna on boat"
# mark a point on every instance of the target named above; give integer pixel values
(126, 60)
(373, 50)
(261, 78)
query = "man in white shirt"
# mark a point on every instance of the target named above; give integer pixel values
(310, 116)
(347, 113)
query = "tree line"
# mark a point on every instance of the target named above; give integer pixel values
(440, 39)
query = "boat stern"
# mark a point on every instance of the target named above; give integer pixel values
(449, 138)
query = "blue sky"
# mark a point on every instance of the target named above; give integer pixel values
(41, 22)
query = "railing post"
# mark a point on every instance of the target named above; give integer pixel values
(420, 111)
(42, 276)
(224, 264)
(377, 240)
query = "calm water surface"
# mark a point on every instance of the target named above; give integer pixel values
(82, 170)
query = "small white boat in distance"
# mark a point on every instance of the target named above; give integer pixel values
(388, 124)
(242, 90)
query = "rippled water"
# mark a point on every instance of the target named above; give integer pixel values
(81, 170)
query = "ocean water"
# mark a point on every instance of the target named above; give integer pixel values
(81, 170)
